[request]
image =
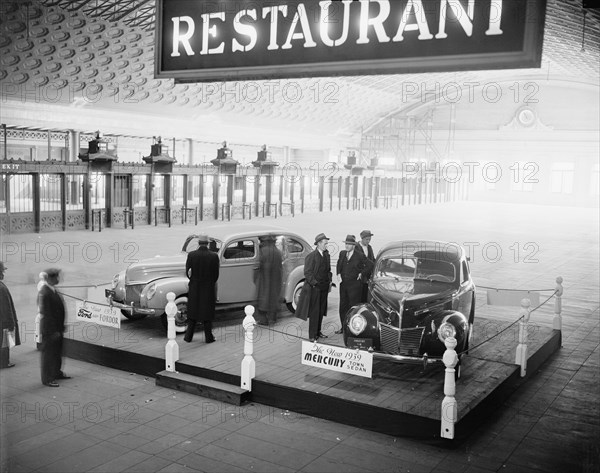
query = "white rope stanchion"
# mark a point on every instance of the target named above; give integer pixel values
(248, 363)
(557, 321)
(449, 405)
(171, 349)
(521, 354)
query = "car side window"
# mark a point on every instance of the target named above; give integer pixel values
(465, 272)
(242, 249)
(294, 246)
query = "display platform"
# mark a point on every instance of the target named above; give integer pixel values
(400, 400)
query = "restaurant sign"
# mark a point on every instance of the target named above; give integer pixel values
(220, 40)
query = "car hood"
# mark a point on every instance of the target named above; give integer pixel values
(391, 292)
(147, 270)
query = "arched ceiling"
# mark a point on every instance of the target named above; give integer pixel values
(93, 60)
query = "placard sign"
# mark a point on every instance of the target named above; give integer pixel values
(356, 362)
(220, 40)
(98, 314)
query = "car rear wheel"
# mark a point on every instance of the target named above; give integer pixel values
(295, 297)
(131, 316)
(181, 318)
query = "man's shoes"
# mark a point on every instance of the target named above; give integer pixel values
(10, 365)
(321, 335)
(313, 340)
(52, 384)
(339, 332)
(63, 376)
(210, 339)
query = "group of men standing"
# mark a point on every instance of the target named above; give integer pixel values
(353, 270)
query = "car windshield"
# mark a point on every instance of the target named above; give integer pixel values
(191, 244)
(409, 267)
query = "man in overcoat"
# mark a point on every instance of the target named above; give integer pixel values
(269, 280)
(364, 246)
(202, 269)
(317, 275)
(350, 267)
(52, 327)
(8, 320)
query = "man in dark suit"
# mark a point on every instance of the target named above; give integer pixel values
(52, 326)
(317, 274)
(350, 267)
(269, 280)
(202, 269)
(8, 320)
(364, 246)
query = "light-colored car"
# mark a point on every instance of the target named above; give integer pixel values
(142, 288)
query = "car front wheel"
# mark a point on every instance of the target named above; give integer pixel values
(181, 318)
(295, 297)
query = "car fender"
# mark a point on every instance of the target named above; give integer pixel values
(178, 286)
(295, 276)
(369, 312)
(461, 325)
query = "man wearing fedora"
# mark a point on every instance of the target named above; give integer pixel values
(350, 267)
(202, 269)
(8, 320)
(317, 274)
(52, 327)
(364, 246)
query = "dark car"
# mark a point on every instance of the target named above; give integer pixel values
(420, 293)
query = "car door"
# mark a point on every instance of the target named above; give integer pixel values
(237, 275)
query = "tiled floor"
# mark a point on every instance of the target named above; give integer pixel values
(105, 420)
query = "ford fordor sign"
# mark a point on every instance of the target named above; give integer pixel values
(219, 40)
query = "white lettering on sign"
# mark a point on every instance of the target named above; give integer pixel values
(10, 167)
(97, 313)
(246, 25)
(343, 360)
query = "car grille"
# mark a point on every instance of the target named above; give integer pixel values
(401, 342)
(133, 293)
(389, 338)
(410, 341)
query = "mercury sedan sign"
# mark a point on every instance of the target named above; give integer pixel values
(356, 362)
(200, 40)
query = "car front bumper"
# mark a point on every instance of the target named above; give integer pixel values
(130, 308)
(415, 360)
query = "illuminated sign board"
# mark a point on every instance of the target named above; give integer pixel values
(200, 40)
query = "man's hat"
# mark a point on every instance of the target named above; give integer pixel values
(365, 233)
(52, 272)
(267, 238)
(350, 240)
(319, 237)
(203, 238)
(2, 267)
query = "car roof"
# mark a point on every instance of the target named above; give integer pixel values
(238, 230)
(446, 251)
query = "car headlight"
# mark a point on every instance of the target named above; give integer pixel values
(151, 291)
(445, 331)
(115, 281)
(357, 324)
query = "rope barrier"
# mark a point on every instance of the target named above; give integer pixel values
(553, 294)
(83, 300)
(492, 337)
(521, 290)
(266, 327)
(89, 285)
